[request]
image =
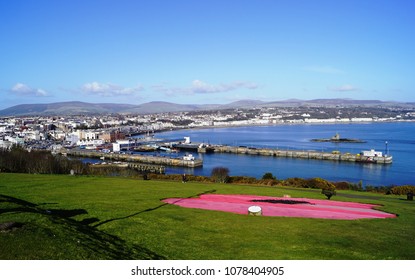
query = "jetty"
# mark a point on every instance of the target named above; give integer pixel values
(371, 156)
(187, 145)
(153, 160)
(334, 155)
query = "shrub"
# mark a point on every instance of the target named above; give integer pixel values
(195, 178)
(377, 189)
(356, 187)
(295, 182)
(18, 160)
(268, 176)
(268, 182)
(328, 193)
(220, 174)
(342, 185)
(318, 183)
(403, 190)
(242, 180)
(171, 177)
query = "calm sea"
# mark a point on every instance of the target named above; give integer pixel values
(400, 137)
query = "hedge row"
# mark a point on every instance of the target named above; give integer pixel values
(314, 183)
(403, 190)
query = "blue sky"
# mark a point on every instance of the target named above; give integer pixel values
(195, 52)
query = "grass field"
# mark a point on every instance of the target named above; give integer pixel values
(71, 217)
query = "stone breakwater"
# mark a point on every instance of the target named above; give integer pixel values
(156, 160)
(335, 156)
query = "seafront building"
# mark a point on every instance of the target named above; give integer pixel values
(97, 131)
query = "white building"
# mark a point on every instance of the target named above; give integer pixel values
(362, 119)
(307, 120)
(93, 142)
(73, 138)
(116, 147)
(372, 153)
(5, 144)
(15, 140)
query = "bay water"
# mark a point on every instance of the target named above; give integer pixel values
(400, 138)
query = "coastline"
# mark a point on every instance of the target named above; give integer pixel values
(297, 136)
(274, 124)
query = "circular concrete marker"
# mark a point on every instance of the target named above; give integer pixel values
(255, 210)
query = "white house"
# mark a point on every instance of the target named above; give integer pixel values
(372, 153)
(116, 147)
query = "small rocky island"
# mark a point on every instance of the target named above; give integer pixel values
(337, 139)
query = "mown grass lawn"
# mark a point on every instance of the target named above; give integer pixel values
(70, 217)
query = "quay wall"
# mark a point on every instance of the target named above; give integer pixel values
(166, 161)
(302, 154)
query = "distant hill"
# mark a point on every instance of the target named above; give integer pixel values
(78, 108)
(63, 108)
(243, 104)
(333, 102)
(159, 107)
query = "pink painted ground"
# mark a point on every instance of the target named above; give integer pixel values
(312, 208)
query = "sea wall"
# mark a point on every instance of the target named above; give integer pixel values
(166, 161)
(335, 156)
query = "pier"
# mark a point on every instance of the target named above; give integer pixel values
(197, 147)
(334, 156)
(154, 160)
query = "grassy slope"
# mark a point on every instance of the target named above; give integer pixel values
(68, 217)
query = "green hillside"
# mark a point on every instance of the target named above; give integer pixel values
(75, 217)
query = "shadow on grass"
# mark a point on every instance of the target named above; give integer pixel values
(104, 245)
(149, 209)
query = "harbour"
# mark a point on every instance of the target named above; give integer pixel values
(285, 151)
(278, 139)
(371, 156)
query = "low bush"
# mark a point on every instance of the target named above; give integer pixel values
(18, 160)
(242, 180)
(171, 177)
(328, 193)
(117, 171)
(403, 190)
(342, 185)
(318, 183)
(382, 189)
(269, 176)
(268, 182)
(178, 177)
(295, 182)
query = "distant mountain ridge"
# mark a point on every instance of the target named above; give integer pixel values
(79, 108)
(64, 108)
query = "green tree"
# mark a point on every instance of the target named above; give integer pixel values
(269, 176)
(220, 174)
(328, 193)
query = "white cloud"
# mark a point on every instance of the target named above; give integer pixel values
(22, 89)
(344, 88)
(200, 87)
(109, 90)
(323, 69)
